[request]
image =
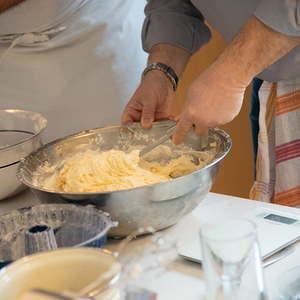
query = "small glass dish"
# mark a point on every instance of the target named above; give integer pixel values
(289, 285)
(48, 226)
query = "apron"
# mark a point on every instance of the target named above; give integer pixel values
(278, 155)
(85, 67)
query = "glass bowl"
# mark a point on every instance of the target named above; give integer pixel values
(50, 226)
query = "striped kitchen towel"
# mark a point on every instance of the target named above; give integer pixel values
(278, 157)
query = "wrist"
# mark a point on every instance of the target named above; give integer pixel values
(158, 76)
(173, 56)
(166, 70)
(231, 72)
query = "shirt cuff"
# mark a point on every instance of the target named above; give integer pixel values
(186, 32)
(281, 15)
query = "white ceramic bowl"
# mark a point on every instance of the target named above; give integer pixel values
(60, 270)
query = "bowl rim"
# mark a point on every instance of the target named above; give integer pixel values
(225, 136)
(43, 119)
(26, 260)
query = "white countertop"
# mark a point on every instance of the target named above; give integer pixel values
(184, 280)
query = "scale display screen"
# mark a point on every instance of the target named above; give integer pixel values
(280, 219)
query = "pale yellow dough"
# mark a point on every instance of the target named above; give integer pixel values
(113, 170)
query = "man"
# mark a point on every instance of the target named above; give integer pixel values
(263, 37)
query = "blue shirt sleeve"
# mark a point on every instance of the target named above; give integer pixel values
(281, 15)
(175, 22)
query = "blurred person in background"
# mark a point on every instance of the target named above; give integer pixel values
(263, 43)
(75, 61)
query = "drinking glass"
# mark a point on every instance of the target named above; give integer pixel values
(289, 284)
(231, 260)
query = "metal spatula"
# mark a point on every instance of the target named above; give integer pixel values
(165, 137)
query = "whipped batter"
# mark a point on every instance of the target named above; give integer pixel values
(94, 171)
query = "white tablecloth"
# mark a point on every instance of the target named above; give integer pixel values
(184, 280)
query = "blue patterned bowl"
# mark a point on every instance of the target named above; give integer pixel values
(48, 226)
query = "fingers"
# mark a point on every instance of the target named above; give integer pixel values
(183, 127)
(158, 116)
(177, 118)
(148, 114)
(172, 118)
(133, 110)
(130, 115)
(126, 118)
(150, 102)
(164, 112)
(162, 116)
(200, 130)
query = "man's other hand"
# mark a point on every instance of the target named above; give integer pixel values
(213, 99)
(151, 101)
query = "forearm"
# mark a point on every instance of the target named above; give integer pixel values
(6, 4)
(254, 49)
(175, 57)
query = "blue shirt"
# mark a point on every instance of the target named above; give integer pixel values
(182, 23)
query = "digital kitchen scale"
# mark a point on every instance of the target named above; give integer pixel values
(276, 230)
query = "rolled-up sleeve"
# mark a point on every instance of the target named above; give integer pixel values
(280, 15)
(175, 22)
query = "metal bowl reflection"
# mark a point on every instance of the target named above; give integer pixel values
(159, 205)
(20, 134)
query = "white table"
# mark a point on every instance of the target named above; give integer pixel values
(184, 280)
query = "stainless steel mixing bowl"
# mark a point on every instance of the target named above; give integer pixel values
(159, 205)
(20, 134)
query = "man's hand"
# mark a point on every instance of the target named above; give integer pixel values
(213, 99)
(151, 101)
(153, 98)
